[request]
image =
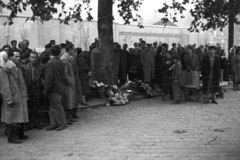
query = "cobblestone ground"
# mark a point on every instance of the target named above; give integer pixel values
(147, 129)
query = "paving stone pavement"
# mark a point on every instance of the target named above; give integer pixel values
(147, 129)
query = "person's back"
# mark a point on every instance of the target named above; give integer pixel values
(57, 71)
(55, 79)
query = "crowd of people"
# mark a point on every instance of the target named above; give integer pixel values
(57, 79)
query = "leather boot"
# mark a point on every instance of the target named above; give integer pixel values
(5, 132)
(67, 117)
(234, 86)
(75, 112)
(21, 132)
(13, 133)
(70, 112)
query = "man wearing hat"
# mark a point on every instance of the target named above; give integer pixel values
(191, 61)
(210, 75)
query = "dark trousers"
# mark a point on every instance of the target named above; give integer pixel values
(14, 131)
(56, 111)
(33, 112)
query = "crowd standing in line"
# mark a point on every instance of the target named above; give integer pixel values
(57, 79)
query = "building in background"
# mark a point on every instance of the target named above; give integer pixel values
(82, 34)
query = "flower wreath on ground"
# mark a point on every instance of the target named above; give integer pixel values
(139, 87)
(118, 96)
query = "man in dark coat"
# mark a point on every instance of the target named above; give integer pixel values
(55, 80)
(125, 48)
(26, 48)
(122, 73)
(147, 60)
(14, 46)
(34, 82)
(191, 61)
(210, 75)
(45, 55)
(158, 70)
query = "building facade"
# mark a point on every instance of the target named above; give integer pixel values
(82, 34)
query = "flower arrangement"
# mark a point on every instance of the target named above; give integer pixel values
(122, 95)
(147, 88)
(95, 84)
(116, 97)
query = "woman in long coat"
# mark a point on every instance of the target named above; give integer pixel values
(83, 70)
(148, 61)
(167, 75)
(235, 69)
(14, 104)
(210, 75)
(158, 71)
(135, 70)
(78, 86)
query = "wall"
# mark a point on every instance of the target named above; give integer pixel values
(82, 34)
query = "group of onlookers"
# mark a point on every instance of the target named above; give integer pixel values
(33, 83)
(57, 79)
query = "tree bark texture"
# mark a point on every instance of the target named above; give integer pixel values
(231, 28)
(108, 69)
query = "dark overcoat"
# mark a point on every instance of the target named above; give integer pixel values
(135, 70)
(205, 70)
(123, 64)
(55, 77)
(35, 75)
(96, 66)
(235, 68)
(167, 75)
(83, 70)
(158, 70)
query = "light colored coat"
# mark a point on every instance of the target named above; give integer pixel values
(78, 86)
(148, 60)
(13, 90)
(68, 98)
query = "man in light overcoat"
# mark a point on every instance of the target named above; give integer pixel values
(14, 105)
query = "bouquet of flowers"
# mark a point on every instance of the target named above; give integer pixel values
(116, 97)
(95, 84)
(148, 89)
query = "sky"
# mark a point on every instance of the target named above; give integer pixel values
(147, 9)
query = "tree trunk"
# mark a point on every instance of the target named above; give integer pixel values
(105, 33)
(231, 28)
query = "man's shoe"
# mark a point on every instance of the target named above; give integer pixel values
(68, 122)
(163, 98)
(50, 128)
(176, 102)
(60, 128)
(205, 102)
(75, 116)
(23, 137)
(17, 141)
(214, 102)
(72, 120)
(37, 126)
(85, 104)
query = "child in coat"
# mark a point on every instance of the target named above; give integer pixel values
(176, 75)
